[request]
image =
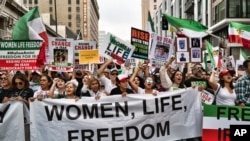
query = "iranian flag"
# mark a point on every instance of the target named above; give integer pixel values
(210, 53)
(239, 33)
(31, 27)
(186, 27)
(217, 120)
(150, 24)
(243, 55)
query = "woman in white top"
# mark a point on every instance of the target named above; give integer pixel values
(93, 89)
(45, 83)
(149, 83)
(224, 91)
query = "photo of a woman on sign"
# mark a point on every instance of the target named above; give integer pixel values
(60, 55)
(161, 52)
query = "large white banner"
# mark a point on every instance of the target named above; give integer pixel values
(11, 121)
(168, 116)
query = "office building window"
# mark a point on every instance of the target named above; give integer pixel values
(77, 1)
(50, 1)
(69, 1)
(155, 0)
(77, 9)
(219, 12)
(50, 9)
(69, 24)
(69, 17)
(155, 7)
(24, 1)
(77, 24)
(69, 9)
(36, 1)
(30, 1)
(234, 8)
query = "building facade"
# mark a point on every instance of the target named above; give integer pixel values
(11, 11)
(80, 16)
(148, 6)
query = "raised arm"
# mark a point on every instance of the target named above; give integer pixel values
(131, 80)
(212, 81)
(102, 68)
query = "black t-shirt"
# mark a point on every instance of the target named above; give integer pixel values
(197, 82)
(5, 93)
(117, 91)
(24, 93)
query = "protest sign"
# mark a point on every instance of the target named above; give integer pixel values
(217, 121)
(168, 116)
(19, 55)
(12, 121)
(61, 54)
(89, 56)
(206, 97)
(161, 48)
(140, 40)
(114, 47)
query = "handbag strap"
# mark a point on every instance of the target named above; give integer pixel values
(217, 92)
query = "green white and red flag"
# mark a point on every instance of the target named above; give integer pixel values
(186, 27)
(239, 33)
(30, 27)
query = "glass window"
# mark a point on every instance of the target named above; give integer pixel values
(69, 24)
(69, 1)
(36, 1)
(50, 9)
(77, 2)
(50, 1)
(69, 17)
(155, 7)
(24, 1)
(155, 0)
(69, 9)
(77, 9)
(234, 8)
(30, 1)
(245, 9)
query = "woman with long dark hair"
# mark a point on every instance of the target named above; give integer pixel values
(224, 90)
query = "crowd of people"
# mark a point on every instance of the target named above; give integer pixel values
(27, 86)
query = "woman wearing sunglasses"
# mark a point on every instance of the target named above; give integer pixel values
(149, 83)
(22, 92)
(6, 87)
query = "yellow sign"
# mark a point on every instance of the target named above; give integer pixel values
(89, 56)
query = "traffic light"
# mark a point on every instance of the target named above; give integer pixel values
(164, 23)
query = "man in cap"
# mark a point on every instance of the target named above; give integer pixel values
(109, 83)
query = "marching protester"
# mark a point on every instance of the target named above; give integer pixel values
(45, 84)
(70, 90)
(34, 79)
(165, 73)
(21, 90)
(111, 83)
(122, 86)
(177, 80)
(148, 84)
(197, 80)
(6, 87)
(57, 89)
(93, 89)
(224, 90)
(242, 86)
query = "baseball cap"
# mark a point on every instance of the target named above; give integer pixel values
(36, 72)
(224, 72)
(113, 69)
(122, 77)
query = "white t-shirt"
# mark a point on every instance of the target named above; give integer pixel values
(108, 85)
(142, 91)
(224, 97)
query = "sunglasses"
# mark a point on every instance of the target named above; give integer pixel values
(19, 83)
(114, 73)
(3, 78)
(149, 81)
